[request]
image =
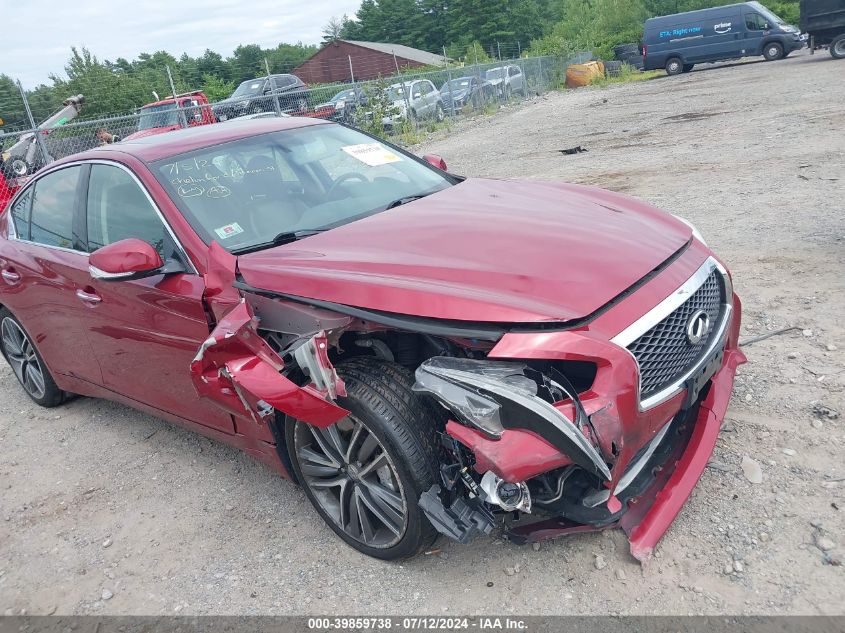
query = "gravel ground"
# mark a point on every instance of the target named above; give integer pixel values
(106, 510)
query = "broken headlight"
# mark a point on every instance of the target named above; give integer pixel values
(495, 395)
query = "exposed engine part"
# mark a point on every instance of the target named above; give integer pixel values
(493, 395)
(558, 489)
(312, 358)
(296, 319)
(462, 520)
(508, 496)
(379, 347)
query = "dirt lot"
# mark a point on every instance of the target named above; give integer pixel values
(106, 510)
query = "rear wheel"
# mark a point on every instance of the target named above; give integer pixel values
(837, 47)
(26, 362)
(365, 474)
(674, 66)
(772, 51)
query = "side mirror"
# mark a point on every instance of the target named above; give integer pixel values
(125, 260)
(435, 161)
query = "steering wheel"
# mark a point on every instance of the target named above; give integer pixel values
(343, 178)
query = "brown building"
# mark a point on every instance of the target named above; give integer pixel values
(370, 60)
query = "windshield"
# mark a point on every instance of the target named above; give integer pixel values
(248, 88)
(346, 95)
(394, 93)
(766, 13)
(495, 73)
(456, 85)
(162, 115)
(246, 192)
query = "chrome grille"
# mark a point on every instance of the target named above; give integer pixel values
(664, 352)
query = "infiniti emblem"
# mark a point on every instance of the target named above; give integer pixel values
(697, 327)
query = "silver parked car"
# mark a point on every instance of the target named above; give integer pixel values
(507, 80)
(423, 99)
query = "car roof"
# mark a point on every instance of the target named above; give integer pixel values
(150, 148)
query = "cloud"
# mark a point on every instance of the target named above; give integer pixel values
(112, 29)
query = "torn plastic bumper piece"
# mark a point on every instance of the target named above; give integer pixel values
(240, 372)
(463, 520)
(493, 396)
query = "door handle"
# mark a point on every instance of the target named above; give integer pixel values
(11, 277)
(88, 297)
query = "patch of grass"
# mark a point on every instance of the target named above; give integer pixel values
(628, 74)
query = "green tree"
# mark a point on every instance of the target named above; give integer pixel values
(215, 88)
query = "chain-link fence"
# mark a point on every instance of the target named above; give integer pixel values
(398, 107)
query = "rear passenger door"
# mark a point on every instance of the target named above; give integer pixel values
(432, 97)
(45, 273)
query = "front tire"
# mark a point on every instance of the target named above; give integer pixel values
(364, 474)
(772, 51)
(26, 363)
(439, 113)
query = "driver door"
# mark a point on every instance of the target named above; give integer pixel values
(146, 332)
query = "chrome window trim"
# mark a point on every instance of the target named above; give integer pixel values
(96, 273)
(664, 309)
(99, 161)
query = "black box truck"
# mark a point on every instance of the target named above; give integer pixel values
(678, 42)
(824, 22)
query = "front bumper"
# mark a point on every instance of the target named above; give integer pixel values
(622, 428)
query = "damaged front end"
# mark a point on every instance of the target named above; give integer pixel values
(547, 432)
(530, 453)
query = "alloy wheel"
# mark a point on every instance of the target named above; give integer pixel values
(20, 167)
(354, 480)
(23, 359)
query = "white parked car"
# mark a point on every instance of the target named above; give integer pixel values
(507, 80)
(423, 99)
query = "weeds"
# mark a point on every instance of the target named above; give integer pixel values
(627, 74)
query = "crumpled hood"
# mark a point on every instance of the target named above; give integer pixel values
(483, 250)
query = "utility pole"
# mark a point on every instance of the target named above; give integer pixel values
(276, 105)
(404, 90)
(449, 78)
(179, 112)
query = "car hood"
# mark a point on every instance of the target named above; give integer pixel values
(151, 132)
(483, 250)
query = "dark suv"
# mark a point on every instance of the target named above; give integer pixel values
(259, 95)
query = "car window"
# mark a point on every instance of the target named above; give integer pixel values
(755, 22)
(51, 216)
(514, 71)
(20, 214)
(117, 209)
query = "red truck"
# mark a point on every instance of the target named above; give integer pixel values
(164, 116)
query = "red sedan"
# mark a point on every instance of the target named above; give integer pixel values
(423, 353)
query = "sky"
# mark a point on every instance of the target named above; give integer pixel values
(38, 34)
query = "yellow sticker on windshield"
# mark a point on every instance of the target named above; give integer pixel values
(372, 154)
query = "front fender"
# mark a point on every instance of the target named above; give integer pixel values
(236, 369)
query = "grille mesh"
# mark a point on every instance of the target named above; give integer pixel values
(664, 353)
